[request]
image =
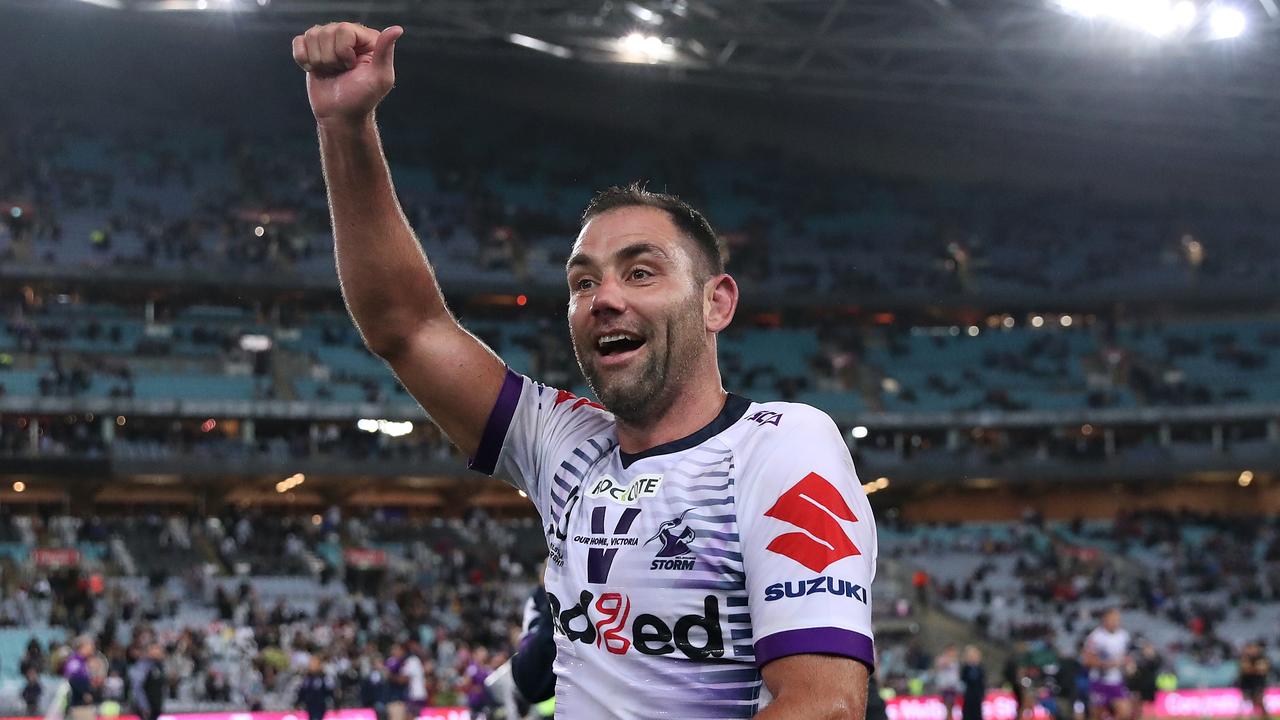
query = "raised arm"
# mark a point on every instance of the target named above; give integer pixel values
(389, 287)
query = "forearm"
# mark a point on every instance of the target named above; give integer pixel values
(387, 283)
(815, 706)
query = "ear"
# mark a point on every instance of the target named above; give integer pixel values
(719, 302)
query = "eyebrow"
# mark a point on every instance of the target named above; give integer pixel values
(629, 252)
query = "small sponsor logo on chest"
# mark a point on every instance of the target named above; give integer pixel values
(641, 486)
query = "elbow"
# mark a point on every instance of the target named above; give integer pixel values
(387, 347)
(846, 706)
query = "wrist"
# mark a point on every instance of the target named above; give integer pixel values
(338, 125)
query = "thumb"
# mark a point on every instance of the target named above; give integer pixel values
(384, 49)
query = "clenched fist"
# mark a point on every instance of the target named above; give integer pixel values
(349, 69)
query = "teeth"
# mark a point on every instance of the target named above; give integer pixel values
(605, 340)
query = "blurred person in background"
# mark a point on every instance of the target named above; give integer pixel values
(147, 683)
(83, 696)
(415, 675)
(1142, 672)
(1106, 654)
(946, 677)
(315, 694)
(396, 683)
(1015, 675)
(32, 692)
(974, 678)
(1254, 671)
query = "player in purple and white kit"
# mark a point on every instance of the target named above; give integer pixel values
(709, 556)
(1106, 654)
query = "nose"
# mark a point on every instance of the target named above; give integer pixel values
(609, 298)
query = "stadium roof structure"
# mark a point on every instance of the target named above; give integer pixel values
(1169, 75)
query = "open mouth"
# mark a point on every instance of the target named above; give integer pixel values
(618, 344)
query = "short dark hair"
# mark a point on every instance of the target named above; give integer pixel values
(691, 223)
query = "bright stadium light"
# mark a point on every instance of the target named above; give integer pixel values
(1160, 18)
(1184, 14)
(644, 14)
(386, 427)
(1226, 23)
(859, 432)
(542, 46)
(638, 47)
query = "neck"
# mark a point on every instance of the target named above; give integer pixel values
(693, 409)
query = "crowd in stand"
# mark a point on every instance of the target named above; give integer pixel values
(1179, 577)
(425, 635)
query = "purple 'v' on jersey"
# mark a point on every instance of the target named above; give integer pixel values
(677, 573)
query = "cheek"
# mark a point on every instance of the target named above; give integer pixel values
(576, 316)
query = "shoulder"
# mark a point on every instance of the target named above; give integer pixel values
(774, 433)
(786, 421)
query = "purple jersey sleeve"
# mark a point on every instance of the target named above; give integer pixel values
(809, 545)
(530, 429)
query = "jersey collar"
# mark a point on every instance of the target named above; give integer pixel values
(735, 406)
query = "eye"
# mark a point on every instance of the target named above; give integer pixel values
(641, 274)
(583, 284)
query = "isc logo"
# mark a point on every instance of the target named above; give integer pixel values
(767, 417)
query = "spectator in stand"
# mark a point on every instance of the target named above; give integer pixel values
(920, 581)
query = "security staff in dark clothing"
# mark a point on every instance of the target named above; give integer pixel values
(149, 683)
(316, 692)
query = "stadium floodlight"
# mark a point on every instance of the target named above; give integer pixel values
(109, 4)
(644, 14)
(198, 5)
(859, 432)
(1159, 18)
(541, 46)
(1227, 22)
(1184, 15)
(386, 427)
(639, 47)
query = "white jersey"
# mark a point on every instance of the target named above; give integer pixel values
(1109, 647)
(676, 574)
